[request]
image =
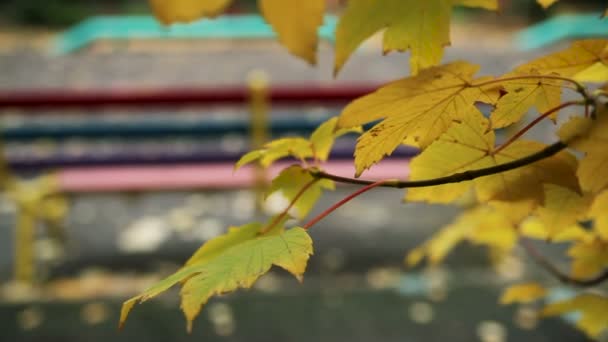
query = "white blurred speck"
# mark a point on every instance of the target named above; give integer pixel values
(144, 235)
(421, 313)
(220, 315)
(208, 228)
(275, 203)
(490, 331)
(30, 318)
(526, 318)
(243, 205)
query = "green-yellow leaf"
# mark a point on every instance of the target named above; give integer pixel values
(562, 209)
(521, 95)
(591, 137)
(415, 109)
(599, 212)
(296, 23)
(588, 258)
(292, 180)
(238, 266)
(218, 245)
(469, 146)
(173, 11)
(323, 138)
(573, 61)
(317, 147)
(593, 309)
(523, 293)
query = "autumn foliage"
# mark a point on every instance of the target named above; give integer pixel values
(523, 190)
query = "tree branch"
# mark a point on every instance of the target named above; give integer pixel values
(455, 178)
(342, 202)
(543, 262)
(536, 121)
(286, 211)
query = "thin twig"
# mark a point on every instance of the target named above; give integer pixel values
(580, 88)
(284, 213)
(542, 261)
(535, 122)
(454, 178)
(341, 203)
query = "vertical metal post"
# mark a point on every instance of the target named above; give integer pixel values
(25, 234)
(259, 106)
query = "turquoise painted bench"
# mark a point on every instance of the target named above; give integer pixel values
(563, 27)
(147, 27)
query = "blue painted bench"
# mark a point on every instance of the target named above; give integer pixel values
(147, 27)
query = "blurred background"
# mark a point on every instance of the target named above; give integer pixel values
(121, 136)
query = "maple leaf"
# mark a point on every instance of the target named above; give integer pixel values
(318, 146)
(535, 229)
(469, 146)
(521, 95)
(423, 27)
(482, 225)
(588, 258)
(583, 60)
(546, 3)
(593, 309)
(290, 183)
(173, 11)
(523, 293)
(599, 212)
(416, 109)
(591, 137)
(485, 4)
(233, 261)
(562, 209)
(296, 23)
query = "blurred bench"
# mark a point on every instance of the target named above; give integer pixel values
(563, 27)
(147, 27)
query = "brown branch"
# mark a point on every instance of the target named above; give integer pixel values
(543, 262)
(455, 178)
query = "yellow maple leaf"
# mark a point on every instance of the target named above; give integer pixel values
(521, 95)
(599, 212)
(173, 11)
(290, 183)
(296, 23)
(317, 147)
(591, 137)
(535, 229)
(588, 258)
(423, 27)
(523, 293)
(562, 208)
(419, 26)
(416, 109)
(546, 3)
(486, 4)
(482, 225)
(593, 309)
(469, 146)
(230, 265)
(582, 61)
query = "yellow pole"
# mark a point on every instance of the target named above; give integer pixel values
(259, 107)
